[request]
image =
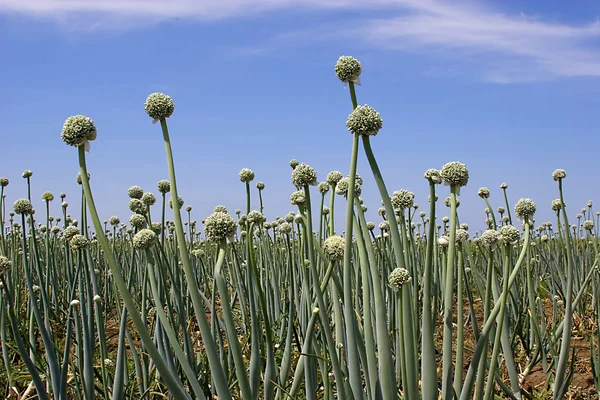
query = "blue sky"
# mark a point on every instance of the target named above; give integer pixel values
(509, 88)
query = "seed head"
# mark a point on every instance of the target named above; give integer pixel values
(114, 220)
(399, 277)
(588, 225)
(285, 228)
(144, 239)
(255, 217)
(504, 186)
(323, 187)
(76, 131)
(23, 206)
(137, 221)
(525, 208)
(5, 264)
(47, 196)
(364, 121)
(69, 232)
(164, 186)
(334, 247)
(179, 201)
(462, 235)
(370, 226)
(334, 177)
(159, 105)
(403, 199)
(246, 175)
(509, 234)
(303, 175)
(484, 193)
(156, 228)
(4, 182)
(294, 163)
(149, 199)
(559, 174)
(79, 242)
(455, 174)
(135, 192)
(137, 206)
(260, 185)
(433, 175)
(219, 226)
(298, 197)
(557, 205)
(348, 69)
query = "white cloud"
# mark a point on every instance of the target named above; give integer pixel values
(511, 47)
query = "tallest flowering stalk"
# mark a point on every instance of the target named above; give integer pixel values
(159, 107)
(348, 70)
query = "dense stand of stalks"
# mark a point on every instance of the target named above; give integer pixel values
(241, 308)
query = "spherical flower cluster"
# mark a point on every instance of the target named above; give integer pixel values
(164, 186)
(76, 131)
(23, 206)
(188, 209)
(159, 105)
(137, 221)
(443, 241)
(179, 201)
(448, 202)
(246, 175)
(509, 234)
(503, 186)
(285, 228)
(399, 277)
(557, 205)
(433, 175)
(219, 226)
(402, 199)
(559, 174)
(484, 193)
(490, 237)
(464, 226)
(137, 206)
(255, 217)
(294, 163)
(4, 182)
(114, 220)
(135, 192)
(220, 208)
(304, 175)
(323, 187)
(384, 226)
(501, 210)
(588, 225)
(370, 226)
(156, 228)
(5, 264)
(260, 185)
(334, 247)
(298, 197)
(149, 199)
(342, 186)
(69, 232)
(78, 242)
(79, 180)
(364, 121)
(525, 208)
(461, 235)
(298, 219)
(47, 196)
(144, 239)
(55, 229)
(334, 177)
(326, 210)
(455, 174)
(348, 69)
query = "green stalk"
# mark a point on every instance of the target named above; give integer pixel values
(172, 383)
(448, 302)
(428, 365)
(217, 373)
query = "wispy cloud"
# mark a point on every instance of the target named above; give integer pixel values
(509, 48)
